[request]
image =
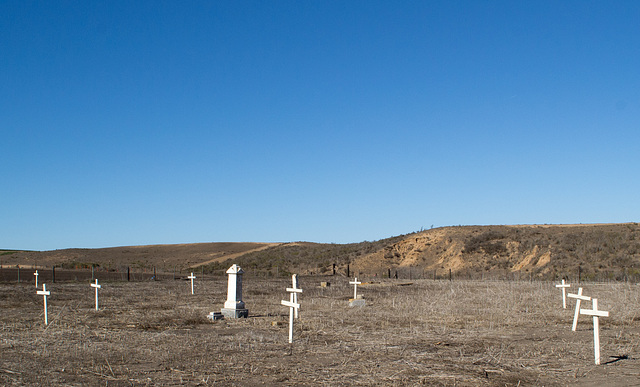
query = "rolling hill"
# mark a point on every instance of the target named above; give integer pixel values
(593, 251)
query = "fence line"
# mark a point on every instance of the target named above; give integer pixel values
(46, 275)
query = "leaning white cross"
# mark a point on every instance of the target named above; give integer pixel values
(36, 274)
(44, 292)
(564, 286)
(579, 297)
(192, 277)
(97, 287)
(355, 284)
(292, 305)
(596, 326)
(294, 295)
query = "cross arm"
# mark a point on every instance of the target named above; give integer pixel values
(579, 297)
(591, 312)
(290, 304)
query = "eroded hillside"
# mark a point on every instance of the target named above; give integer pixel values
(538, 251)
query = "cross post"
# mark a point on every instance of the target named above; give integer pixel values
(564, 287)
(294, 295)
(97, 287)
(36, 275)
(192, 277)
(292, 306)
(579, 297)
(44, 292)
(596, 326)
(355, 284)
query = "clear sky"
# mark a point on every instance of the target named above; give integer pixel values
(153, 122)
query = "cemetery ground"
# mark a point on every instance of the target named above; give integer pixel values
(459, 333)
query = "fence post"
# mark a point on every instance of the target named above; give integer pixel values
(128, 274)
(53, 274)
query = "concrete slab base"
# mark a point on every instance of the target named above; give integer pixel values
(235, 313)
(357, 302)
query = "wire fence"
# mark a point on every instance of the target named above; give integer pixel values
(58, 274)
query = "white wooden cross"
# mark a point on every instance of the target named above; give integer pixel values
(44, 292)
(355, 284)
(97, 287)
(36, 275)
(294, 294)
(292, 306)
(192, 277)
(596, 326)
(579, 297)
(564, 286)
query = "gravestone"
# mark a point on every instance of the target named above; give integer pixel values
(564, 287)
(293, 307)
(44, 293)
(579, 297)
(97, 287)
(234, 306)
(596, 326)
(192, 277)
(356, 300)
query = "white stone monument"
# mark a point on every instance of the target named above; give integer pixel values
(579, 297)
(293, 306)
(192, 277)
(356, 300)
(97, 287)
(564, 287)
(44, 292)
(596, 326)
(234, 306)
(36, 275)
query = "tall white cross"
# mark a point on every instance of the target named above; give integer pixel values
(44, 292)
(579, 297)
(355, 284)
(294, 295)
(596, 326)
(36, 275)
(292, 306)
(192, 277)
(97, 287)
(564, 287)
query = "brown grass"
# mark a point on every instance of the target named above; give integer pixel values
(463, 333)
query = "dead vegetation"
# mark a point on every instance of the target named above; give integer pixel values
(463, 333)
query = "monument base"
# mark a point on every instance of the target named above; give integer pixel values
(235, 313)
(215, 316)
(357, 302)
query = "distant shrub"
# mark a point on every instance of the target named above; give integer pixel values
(487, 242)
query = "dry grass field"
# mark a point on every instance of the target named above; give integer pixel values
(460, 333)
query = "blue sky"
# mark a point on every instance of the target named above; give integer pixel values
(149, 122)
